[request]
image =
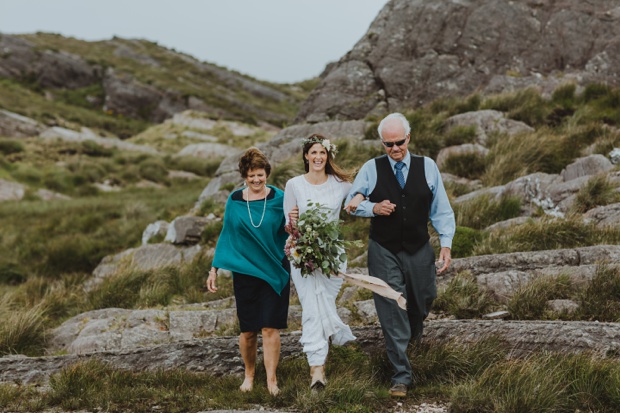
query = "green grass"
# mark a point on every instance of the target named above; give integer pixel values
(548, 233)
(467, 165)
(598, 191)
(22, 331)
(529, 302)
(484, 210)
(55, 238)
(542, 382)
(462, 298)
(478, 377)
(162, 287)
(600, 300)
(19, 99)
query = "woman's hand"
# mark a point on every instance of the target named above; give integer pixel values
(211, 280)
(354, 203)
(294, 214)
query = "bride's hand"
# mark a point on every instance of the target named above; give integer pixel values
(294, 214)
(354, 203)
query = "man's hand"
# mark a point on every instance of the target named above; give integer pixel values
(384, 208)
(444, 260)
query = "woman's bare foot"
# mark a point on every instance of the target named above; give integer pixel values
(247, 385)
(273, 388)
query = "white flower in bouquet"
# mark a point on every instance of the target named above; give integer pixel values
(316, 243)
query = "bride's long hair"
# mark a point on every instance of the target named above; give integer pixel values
(330, 166)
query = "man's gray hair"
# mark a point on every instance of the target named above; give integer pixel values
(394, 115)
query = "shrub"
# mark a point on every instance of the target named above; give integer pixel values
(53, 238)
(10, 275)
(603, 108)
(463, 298)
(9, 146)
(564, 95)
(83, 97)
(455, 189)
(131, 288)
(542, 382)
(58, 180)
(355, 228)
(283, 172)
(371, 133)
(153, 170)
(597, 191)
(58, 299)
(453, 361)
(525, 105)
(464, 241)
(467, 165)
(460, 135)
(211, 233)
(22, 330)
(351, 154)
(600, 300)
(546, 233)
(485, 210)
(73, 253)
(199, 166)
(210, 206)
(471, 104)
(92, 148)
(529, 302)
(519, 155)
(85, 172)
(595, 91)
(28, 174)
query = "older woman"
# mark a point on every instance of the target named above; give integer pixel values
(251, 245)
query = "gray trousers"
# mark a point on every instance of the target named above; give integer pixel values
(414, 276)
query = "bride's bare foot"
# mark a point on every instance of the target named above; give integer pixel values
(273, 388)
(247, 384)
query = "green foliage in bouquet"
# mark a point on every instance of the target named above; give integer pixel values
(315, 243)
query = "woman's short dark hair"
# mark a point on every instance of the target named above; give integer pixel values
(252, 159)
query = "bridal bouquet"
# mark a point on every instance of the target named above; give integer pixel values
(316, 244)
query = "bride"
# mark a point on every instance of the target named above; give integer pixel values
(325, 183)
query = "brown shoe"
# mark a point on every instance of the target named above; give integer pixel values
(398, 390)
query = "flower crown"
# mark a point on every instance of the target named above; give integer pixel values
(329, 147)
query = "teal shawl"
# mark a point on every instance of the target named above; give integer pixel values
(253, 251)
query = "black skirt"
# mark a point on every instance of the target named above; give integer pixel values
(258, 305)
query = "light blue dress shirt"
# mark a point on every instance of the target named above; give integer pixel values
(441, 214)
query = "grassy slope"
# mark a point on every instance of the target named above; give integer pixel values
(491, 385)
(172, 71)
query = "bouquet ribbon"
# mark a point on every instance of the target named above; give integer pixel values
(375, 285)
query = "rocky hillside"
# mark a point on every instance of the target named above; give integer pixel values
(121, 85)
(518, 102)
(416, 51)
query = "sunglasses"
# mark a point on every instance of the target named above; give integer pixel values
(391, 144)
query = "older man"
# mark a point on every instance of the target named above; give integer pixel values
(402, 192)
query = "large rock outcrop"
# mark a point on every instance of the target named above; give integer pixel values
(417, 50)
(220, 355)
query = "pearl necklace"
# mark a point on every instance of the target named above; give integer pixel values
(247, 202)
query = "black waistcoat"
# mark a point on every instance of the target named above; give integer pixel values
(406, 228)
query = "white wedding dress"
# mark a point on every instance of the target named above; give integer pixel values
(317, 292)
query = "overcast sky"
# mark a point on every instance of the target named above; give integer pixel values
(276, 40)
